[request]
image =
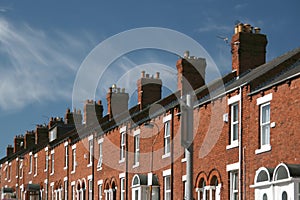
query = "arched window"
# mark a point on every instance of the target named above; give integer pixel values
(201, 191)
(262, 175)
(265, 197)
(281, 172)
(136, 188)
(284, 196)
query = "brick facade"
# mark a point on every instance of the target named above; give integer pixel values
(222, 151)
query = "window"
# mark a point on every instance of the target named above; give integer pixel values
(9, 171)
(52, 162)
(100, 192)
(234, 185)
(91, 149)
(234, 123)
(201, 193)
(265, 124)
(73, 158)
(167, 187)
(21, 169)
(66, 156)
(46, 160)
(73, 192)
(184, 190)
(100, 159)
(136, 148)
(167, 138)
(90, 189)
(66, 189)
(265, 197)
(30, 163)
(35, 164)
(122, 188)
(122, 146)
(136, 188)
(284, 196)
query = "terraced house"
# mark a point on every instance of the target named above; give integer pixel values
(245, 137)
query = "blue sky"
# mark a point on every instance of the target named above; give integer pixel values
(43, 43)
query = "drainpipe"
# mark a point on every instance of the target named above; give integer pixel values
(240, 143)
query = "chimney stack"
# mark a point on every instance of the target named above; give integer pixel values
(74, 117)
(41, 135)
(9, 150)
(191, 73)
(149, 89)
(93, 112)
(117, 101)
(18, 143)
(29, 139)
(55, 120)
(248, 48)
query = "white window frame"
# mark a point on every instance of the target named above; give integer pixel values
(167, 192)
(234, 102)
(73, 190)
(136, 136)
(46, 160)
(66, 155)
(122, 144)
(91, 150)
(73, 159)
(100, 188)
(100, 152)
(90, 188)
(52, 162)
(234, 187)
(122, 190)
(35, 164)
(262, 102)
(66, 188)
(30, 162)
(167, 136)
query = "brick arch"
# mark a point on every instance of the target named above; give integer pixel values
(78, 184)
(106, 184)
(113, 181)
(83, 183)
(201, 176)
(212, 175)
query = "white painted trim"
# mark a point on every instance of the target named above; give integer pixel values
(234, 99)
(183, 178)
(66, 143)
(166, 155)
(46, 181)
(30, 153)
(52, 184)
(234, 144)
(46, 148)
(123, 129)
(30, 182)
(136, 132)
(264, 148)
(73, 146)
(91, 137)
(73, 183)
(35, 155)
(232, 167)
(65, 178)
(167, 118)
(90, 177)
(52, 151)
(167, 172)
(100, 182)
(264, 99)
(100, 140)
(122, 175)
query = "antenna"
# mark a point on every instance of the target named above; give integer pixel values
(225, 39)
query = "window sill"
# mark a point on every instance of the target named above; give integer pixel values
(51, 173)
(29, 172)
(99, 168)
(166, 155)
(263, 149)
(121, 161)
(17, 177)
(136, 165)
(34, 175)
(89, 165)
(45, 170)
(183, 160)
(73, 172)
(65, 168)
(232, 145)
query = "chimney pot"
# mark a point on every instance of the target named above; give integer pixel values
(147, 75)
(143, 74)
(257, 30)
(240, 27)
(157, 75)
(186, 54)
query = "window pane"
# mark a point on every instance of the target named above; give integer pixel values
(235, 130)
(265, 113)
(235, 112)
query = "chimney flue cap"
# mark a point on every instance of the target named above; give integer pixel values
(186, 54)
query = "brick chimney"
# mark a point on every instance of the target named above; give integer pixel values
(41, 135)
(117, 101)
(29, 139)
(9, 150)
(248, 48)
(191, 73)
(72, 117)
(91, 110)
(55, 120)
(18, 143)
(149, 89)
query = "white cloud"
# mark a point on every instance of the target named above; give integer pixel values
(209, 27)
(36, 65)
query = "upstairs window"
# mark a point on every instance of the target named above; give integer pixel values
(35, 164)
(122, 146)
(30, 163)
(136, 147)
(265, 124)
(234, 185)
(91, 150)
(66, 156)
(167, 138)
(234, 123)
(52, 162)
(73, 158)
(100, 153)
